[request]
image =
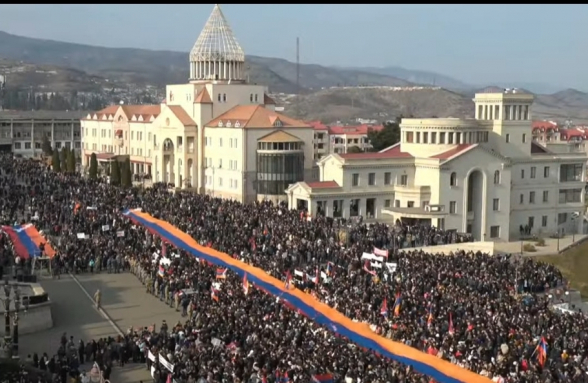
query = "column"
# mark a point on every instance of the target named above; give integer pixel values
(12, 133)
(73, 137)
(53, 134)
(33, 136)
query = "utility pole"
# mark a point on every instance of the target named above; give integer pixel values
(298, 76)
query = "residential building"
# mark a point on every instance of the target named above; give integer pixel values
(216, 134)
(339, 139)
(23, 132)
(483, 176)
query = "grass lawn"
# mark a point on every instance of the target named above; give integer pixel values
(573, 264)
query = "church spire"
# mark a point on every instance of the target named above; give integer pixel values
(217, 55)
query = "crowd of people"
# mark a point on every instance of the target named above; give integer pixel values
(481, 312)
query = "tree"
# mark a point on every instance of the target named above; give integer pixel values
(354, 149)
(71, 161)
(115, 173)
(46, 146)
(388, 136)
(55, 162)
(125, 174)
(63, 158)
(93, 167)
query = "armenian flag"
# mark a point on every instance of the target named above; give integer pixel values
(221, 273)
(542, 352)
(323, 378)
(397, 304)
(214, 293)
(288, 284)
(451, 329)
(384, 308)
(26, 240)
(245, 284)
(161, 271)
(430, 317)
(330, 267)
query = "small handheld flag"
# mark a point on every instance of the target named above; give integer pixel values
(384, 308)
(245, 284)
(397, 304)
(221, 273)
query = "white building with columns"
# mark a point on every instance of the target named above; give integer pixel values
(483, 176)
(217, 133)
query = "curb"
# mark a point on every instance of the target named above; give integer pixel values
(100, 310)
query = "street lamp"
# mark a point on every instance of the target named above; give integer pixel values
(13, 303)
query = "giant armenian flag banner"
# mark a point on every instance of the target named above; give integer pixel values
(359, 333)
(26, 240)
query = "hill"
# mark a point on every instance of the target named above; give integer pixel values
(48, 78)
(346, 104)
(141, 66)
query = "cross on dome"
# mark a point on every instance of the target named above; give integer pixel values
(217, 55)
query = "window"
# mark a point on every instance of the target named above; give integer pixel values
(522, 199)
(256, 98)
(450, 138)
(372, 179)
(532, 197)
(355, 179)
(409, 203)
(220, 142)
(27, 145)
(17, 145)
(570, 173)
(495, 204)
(224, 97)
(442, 137)
(452, 207)
(387, 203)
(531, 222)
(409, 137)
(219, 97)
(524, 138)
(220, 182)
(546, 172)
(544, 221)
(570, 195)
(526, 112)
(562, 218)
(545, 196)
(37, 145)
(494, 231)
(433, 137)
(453, 179)
(404, 180)
(507, 138)
(425, 137)
(522, 173)
(497, 177)
(533, 171)
(387, 178)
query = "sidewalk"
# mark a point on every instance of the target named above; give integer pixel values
(551, 245)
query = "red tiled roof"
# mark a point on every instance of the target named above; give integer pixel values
(359, 129)
(566, 134)
(323, 185)
(391, 152)
(453, 152)
(317, 125)
(538, 125)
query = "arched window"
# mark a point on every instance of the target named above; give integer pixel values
(497, 177)
(224, 97)
(255, 98)
(251, 97)
(219, 97)
(453, 179)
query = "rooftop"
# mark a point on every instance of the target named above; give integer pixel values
(217, 41)
(42, 114)
(255, 116)
(391, 152)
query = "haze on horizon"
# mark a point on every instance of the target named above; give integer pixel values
(476, 44)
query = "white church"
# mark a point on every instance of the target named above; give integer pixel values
(217, 134)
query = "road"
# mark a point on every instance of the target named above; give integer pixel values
(123, 299)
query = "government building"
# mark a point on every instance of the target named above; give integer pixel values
(216, 134)
(483, 176)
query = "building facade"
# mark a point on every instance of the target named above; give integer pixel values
(217, 134)
(340, 139)
(23, 132)
(483, 176)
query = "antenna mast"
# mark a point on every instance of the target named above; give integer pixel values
(298, 76)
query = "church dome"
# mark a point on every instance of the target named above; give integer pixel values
(217, 55)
